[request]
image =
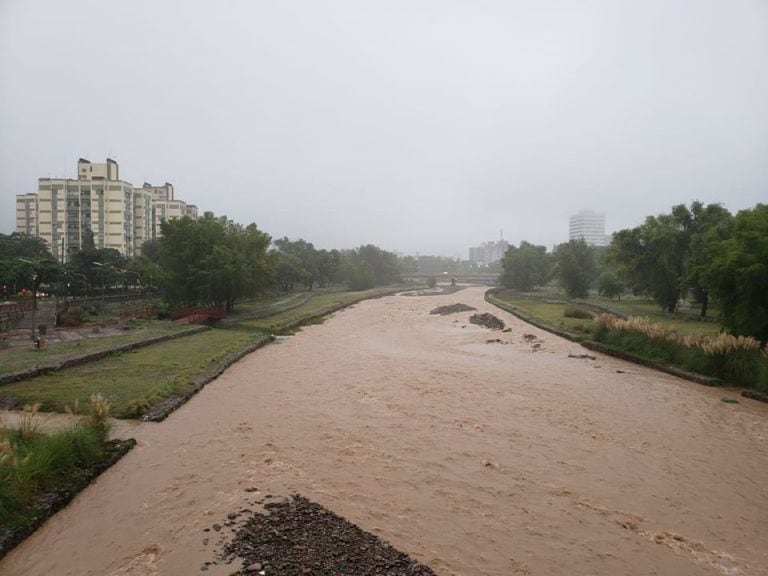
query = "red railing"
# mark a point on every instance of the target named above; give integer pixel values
(191, 315)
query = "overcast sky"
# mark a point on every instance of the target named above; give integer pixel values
(420, 126)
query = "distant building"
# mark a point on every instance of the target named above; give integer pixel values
(589, 226)
(65, 212)
(165, 207)
(488, 252)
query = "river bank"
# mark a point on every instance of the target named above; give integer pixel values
(479, 458)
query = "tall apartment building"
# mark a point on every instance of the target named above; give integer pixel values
(488, 252)
(66, 212)
(165, 206)
(589, 226)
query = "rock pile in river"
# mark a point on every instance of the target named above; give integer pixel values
(296, 537)
(452, 309)
(488, 320)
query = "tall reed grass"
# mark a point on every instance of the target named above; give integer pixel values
(735, 359)
(33, 463)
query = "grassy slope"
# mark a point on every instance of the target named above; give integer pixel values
(131, 379)
(14, 359)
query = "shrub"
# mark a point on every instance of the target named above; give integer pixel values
(576, 312)
(98, 414)
(431, 282)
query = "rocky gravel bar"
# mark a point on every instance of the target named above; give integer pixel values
(297, 537)
(452, 309)
(488, 320)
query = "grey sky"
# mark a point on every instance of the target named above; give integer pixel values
(418, 126)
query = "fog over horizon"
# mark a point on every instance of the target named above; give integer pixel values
(417, 126)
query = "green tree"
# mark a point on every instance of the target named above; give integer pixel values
(525, 267)
(384, 264)
(609, 285)
(408, 265)
(288, 270)
(575, 267)
(737, 274)
(368, 266)
(213, 261)
(144, 272)
(302, 259)
(96, 266)
(359, 275)
(328, 263)
(656, 257)
(17, 245)
(25, 263)
(712, 225)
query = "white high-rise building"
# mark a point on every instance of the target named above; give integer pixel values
(488, 252)
(66, 212)
(589, 226)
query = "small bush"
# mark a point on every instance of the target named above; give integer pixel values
(580, 313)
(431, 282)
(98, 414)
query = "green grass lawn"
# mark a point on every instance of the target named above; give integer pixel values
(15, 359)
(549, 308)
(133, 381)
(547, 312)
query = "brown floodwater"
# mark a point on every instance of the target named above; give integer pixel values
(476, 458)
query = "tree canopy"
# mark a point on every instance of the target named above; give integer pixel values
(213, 261)
(737, 273)
(655, 256)
(369, 266)
(575, 267)
(299, 262)
(25, 263)
(525, 267)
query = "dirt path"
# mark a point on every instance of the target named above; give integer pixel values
(475, 458)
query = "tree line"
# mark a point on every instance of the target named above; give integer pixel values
(704, 252)
(205, 261)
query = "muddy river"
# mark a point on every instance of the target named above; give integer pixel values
(474, 457)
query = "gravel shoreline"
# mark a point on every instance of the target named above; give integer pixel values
(296, 537)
